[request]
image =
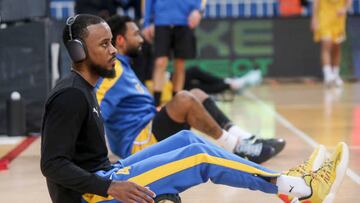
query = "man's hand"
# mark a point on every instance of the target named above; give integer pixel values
(148, 33)
(129, 192)
(194, 19)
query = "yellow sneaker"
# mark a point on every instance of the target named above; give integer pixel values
(316, 159)
(325, 181)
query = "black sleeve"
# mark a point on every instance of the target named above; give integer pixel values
(62, 123)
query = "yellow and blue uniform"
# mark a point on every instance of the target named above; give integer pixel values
(331, 26)
(126, 106)
(185, 160)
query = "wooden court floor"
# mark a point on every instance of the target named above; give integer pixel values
(303, 114)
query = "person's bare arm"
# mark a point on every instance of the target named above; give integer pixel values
(342, 11)
(314, 20)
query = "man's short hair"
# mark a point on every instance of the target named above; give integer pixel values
(79, 27)
(118, 25)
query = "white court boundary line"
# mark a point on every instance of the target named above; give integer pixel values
(10, 140)
(352, 175)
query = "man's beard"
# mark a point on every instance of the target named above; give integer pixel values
(133, 52)
(102, 72)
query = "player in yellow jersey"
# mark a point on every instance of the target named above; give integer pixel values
(328, 24)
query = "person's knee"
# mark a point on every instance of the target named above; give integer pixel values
(326, 45)
(184, 98)
(161, 62)
(187, 136)
(198, 148)
(199, 94)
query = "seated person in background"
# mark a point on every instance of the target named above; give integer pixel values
(211, 84)
(133, 123)
(195, 77)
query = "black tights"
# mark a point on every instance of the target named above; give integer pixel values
(197, 78)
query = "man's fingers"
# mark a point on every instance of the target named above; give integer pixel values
(141, 197)
(147, 191)
(145, 196)
(137, 199)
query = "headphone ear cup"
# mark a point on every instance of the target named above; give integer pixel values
(76, 50)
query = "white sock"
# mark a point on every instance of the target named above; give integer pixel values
(327, 71)
(242, 134)
(227, 80)
(336, 70)
(228, 141)
(293, 186)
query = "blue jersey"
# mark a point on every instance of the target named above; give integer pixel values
(170, 12)
(126, 106)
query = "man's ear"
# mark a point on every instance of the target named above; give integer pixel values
(120, 40)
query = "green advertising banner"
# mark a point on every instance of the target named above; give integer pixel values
(279, 47)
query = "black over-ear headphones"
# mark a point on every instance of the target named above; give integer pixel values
(75, 47)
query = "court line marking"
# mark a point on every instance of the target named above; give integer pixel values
(15, 152)
(10, 140)
(282, 120)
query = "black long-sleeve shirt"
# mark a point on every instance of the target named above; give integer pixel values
(73, 143)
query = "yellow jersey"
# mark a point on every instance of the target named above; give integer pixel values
(331, 26)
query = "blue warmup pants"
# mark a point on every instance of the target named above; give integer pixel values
(185, 160)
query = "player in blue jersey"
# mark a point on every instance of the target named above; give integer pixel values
(174, 36)
(133, 123)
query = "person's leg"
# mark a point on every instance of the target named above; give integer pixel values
(178, 78)
(226, 124)
(201, 162)
(178, 140)
(159, 77)
(335, 61)
(169, 173)
(212, 109)
(326, 46)
(184, 48)
(162, 53)
(185, 108)
(203, 76)
(175, 171)
(196, 78)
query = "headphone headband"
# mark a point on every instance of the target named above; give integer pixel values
(75, 47)
(69, 22)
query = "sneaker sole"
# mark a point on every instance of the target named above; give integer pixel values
(329, 198)
(340, 173)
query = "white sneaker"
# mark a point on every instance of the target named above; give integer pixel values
(338, 81)
(329, 80)
(236, 83)
(254, 77)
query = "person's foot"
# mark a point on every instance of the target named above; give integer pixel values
(329, 80)
(255, 152)
(252, 78)
(325, 182)
(338, 81)
(316, 159)
(235, 83)
(277, 143)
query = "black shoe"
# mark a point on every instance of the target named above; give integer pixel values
(255, 152)
(168, 198)
(277, 143)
